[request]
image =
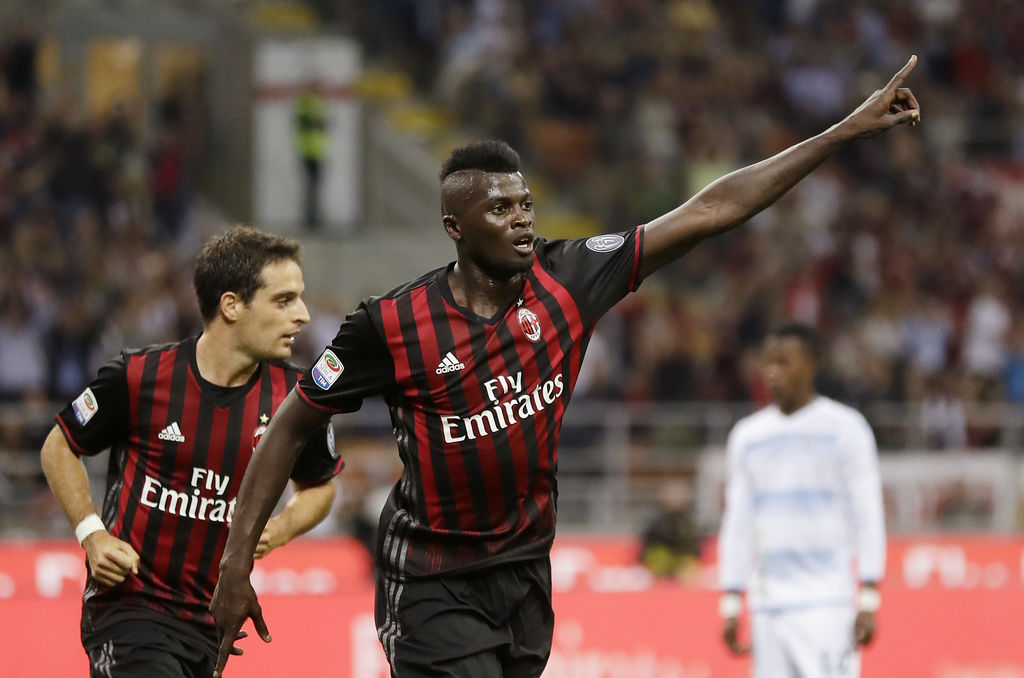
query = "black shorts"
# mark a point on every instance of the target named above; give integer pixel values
(496, 623)
(141, 648)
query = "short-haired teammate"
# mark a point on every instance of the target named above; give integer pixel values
(181, 421)
(477, 361)
(803, 501)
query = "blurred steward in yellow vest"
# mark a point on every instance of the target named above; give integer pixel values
(312, 141)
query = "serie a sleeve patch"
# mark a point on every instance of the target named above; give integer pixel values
(85, 407)
(327, 370)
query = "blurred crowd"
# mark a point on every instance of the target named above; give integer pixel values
(904, 251)
(95, 233)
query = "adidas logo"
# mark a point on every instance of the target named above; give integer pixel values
(449, 364)
(171, 433)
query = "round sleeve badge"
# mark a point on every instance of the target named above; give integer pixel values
(605, 243)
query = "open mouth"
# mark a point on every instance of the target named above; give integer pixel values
(524, 244)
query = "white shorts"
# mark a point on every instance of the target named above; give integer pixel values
(814, 642)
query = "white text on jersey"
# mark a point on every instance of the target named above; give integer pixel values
(505, 383)
(457, 428)
(196, 506)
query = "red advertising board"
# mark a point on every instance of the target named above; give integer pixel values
(951, 609)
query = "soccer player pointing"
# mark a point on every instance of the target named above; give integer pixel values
(476, 361)
(181, 421)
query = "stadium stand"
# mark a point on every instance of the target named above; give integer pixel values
(905, 254)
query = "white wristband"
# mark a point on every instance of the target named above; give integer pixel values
(730, 605)
(869, 599)
(91, 523)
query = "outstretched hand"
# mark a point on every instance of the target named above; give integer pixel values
(885, 108)
(234, 601)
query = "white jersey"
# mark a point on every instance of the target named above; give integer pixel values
(803, 502)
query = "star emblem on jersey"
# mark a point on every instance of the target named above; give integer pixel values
(264, 419)
(171, 433)
(449, 364)
(530, 323)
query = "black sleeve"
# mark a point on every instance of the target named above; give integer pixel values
(98, 417)
(318, 461)
(355, 366)
(597, 271)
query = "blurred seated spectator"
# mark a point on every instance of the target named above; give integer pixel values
(1013, 375)
(671, 541)
(22, 359)
(943, 422)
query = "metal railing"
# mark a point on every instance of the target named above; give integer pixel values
(616, 461)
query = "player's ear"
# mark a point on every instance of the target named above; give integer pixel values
(230, 306)
(451, 225)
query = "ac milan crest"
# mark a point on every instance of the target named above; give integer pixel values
(530, 323)
(257, 434)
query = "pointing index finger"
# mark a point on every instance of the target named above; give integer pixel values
(902, 74)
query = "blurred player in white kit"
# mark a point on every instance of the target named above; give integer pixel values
(803, 502)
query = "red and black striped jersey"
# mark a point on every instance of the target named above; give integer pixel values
(178, 448)
(476, 403)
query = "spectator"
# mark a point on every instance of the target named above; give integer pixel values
(943, 422)
(671, 541)
(313, 143)
(21, 350)
(169, 185)
(19, 63)
(988, 322)
(1013, 375)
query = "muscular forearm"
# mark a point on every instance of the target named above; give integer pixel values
(731, 200)
(65, 473)
(737, 196)
(265, 479)
(262, 485)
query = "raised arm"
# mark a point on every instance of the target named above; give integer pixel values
(234, 599)
(729, 201)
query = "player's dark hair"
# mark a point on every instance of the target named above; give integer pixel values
(233, 261)
(490, 155)
(802, 333)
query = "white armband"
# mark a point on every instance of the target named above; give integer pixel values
(869, 599)
(730, 605)
(91, 523)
